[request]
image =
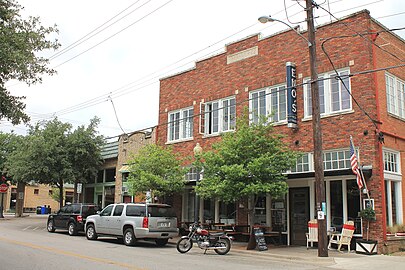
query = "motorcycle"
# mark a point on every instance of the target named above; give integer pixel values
(219, 242)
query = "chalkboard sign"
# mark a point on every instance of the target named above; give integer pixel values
(260, 241)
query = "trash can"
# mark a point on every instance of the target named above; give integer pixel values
(39, 209)
(43, 210)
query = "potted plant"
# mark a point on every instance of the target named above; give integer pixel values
(367, 246)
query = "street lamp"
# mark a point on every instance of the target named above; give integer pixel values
(197, 154)
(265, 19)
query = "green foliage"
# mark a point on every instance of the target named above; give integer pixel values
(51, 154)
(367, 214)
(157, 169)
(20, 40)
(8, 143)
(250, 161)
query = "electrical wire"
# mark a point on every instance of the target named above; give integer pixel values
(106, 39)
(90, 34)
(116, 115)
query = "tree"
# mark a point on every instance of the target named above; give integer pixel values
(245, 164)
(84, 149)
(47, 155)
(20, 41)
(155, 169)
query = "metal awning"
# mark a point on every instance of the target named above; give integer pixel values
(124, 169)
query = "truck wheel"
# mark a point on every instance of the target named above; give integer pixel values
(72, 229)
(129, 237)
(91, 232)
(50, 227)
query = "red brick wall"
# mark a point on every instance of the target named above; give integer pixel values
(213, 79)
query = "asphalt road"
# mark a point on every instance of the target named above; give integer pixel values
(26, 244)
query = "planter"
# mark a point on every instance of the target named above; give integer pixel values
(366, 247)
(400, 234)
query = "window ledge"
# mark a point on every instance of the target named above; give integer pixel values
(179, 141)
(309, 118)
(396, 116)
(217, 134)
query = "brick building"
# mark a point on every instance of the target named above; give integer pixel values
(199, 104)
(109, 185)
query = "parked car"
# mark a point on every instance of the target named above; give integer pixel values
(71, 217)
(156, 222)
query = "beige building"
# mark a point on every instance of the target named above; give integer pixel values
(35, 195)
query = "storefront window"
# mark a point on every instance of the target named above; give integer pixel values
(110, 175)
(353, 204)
(209, 211)
(227, 213)
(188, 205)
(260, 211)
(336, 201)
(278, 215)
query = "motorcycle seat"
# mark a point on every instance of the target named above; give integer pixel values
(216, 234)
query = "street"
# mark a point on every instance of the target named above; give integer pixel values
(25, 244)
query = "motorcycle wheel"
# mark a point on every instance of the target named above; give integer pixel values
(184, 245)
(223, 242)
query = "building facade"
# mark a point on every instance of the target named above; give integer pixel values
(109, 186)
(198, 105)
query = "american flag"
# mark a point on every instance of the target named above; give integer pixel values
(355, 164)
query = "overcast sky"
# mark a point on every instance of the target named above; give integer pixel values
(156, 38)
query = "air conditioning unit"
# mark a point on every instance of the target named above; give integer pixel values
(124, 189)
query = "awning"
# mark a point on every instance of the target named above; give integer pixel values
(124, 169)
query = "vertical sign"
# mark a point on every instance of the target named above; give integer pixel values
(291, 95)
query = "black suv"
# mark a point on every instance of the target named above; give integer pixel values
(71, 217)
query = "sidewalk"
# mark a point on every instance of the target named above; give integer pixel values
(336, 260)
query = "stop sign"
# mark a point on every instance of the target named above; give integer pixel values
(3, 188)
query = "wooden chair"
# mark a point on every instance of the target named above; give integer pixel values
(343, 238)
(312, 234)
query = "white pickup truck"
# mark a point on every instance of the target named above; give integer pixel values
(131, 221)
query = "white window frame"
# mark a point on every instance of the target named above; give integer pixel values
(183, 125)
(393, 176)
(271, 97)
(221, 115)
(395, 94)
(326, 100)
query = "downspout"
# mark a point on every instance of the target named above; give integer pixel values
(380, 148)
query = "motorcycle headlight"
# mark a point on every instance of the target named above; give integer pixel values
(190, 228)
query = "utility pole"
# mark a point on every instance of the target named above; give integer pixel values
(317, 136)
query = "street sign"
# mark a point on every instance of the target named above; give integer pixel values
(79, 188)
(3, 188)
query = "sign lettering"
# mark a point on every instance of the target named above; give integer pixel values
(291, 95)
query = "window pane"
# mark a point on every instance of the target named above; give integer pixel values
(344, 92)
(215, 117)
(274, 104)
(353, 204)
(336, 201)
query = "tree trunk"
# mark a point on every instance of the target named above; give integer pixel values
(19, 207)
(251, 210)
(60, 194)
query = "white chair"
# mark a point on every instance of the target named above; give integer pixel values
(312, 234)
(343, 238)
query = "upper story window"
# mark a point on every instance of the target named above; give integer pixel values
(391, 161)
(332, 160)
(191, 174)
(395, 95)
(220, 116)
(304, 164)
(270, 101)
(333, 95)
(180, 124)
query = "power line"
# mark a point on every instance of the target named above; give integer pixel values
(104, 40)
(90, 34)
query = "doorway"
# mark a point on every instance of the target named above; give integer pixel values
(299, 215)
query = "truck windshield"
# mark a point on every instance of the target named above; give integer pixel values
(161, 211)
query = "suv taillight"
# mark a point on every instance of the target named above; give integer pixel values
(79, 218)
(145, 222)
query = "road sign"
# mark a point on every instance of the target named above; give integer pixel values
(3, 188)
(79, 187)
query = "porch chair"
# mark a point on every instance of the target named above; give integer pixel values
(312, 234)
(343, 238)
